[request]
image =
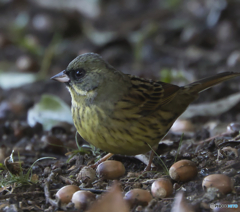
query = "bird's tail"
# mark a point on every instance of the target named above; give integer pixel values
(203, 84)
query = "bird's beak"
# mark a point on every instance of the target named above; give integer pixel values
(61, 77)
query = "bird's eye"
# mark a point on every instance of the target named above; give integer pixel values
(79, 73)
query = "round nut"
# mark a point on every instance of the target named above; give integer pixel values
(220, 181)
(110, 170)
(82, 199)
(65, 193)
(161, 188)
(138, 196)
(183, 170)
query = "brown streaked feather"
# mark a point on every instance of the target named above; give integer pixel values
(147, 95)
(169, 92)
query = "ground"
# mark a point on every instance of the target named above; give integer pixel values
(172, 41)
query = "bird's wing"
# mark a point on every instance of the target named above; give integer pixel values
(146, 95)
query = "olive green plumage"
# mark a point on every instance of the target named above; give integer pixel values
(120, 113)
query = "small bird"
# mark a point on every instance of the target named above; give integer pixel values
(124, 114)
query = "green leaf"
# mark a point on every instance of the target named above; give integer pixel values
(50, 111)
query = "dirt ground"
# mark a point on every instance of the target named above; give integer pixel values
(172, 41)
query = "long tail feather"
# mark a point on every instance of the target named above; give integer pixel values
(203, 84)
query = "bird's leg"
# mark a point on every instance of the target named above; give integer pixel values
(106, 157)
(148, 167)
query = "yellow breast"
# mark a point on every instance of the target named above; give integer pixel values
(115, 134)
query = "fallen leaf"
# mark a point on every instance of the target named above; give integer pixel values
(111, 201)
(49, 112)
(180, 204)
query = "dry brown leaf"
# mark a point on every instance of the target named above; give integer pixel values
(180, 204)
(111, 201)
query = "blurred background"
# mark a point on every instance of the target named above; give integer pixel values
(175, 41)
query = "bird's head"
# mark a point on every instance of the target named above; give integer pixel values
(86, 73)
(90, 79)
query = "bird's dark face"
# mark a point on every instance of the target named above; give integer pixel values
(85, 73)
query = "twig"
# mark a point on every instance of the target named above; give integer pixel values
(47, 193)
(6, 196)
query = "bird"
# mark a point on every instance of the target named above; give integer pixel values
(121, 113)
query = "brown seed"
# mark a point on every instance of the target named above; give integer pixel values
(110, 170)
(65, 193)
(138, 196)
(161, 188)
(183, 170)
(220, 181)
(82, 199)
(14, 167)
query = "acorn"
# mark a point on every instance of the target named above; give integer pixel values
(220, 181)
(161, 188)
(137, 197)
(110, 170)
(183, 170)
(83, 199)
(65, 193)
